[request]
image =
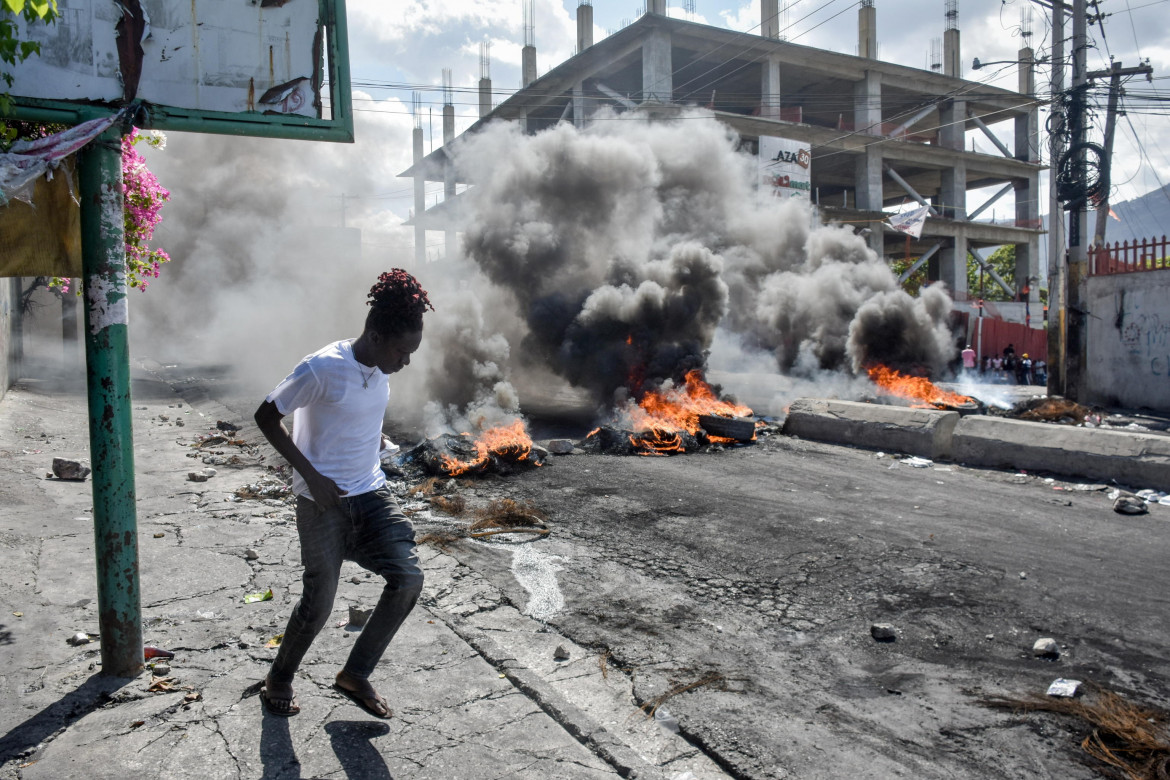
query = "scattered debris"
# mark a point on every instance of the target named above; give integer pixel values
(161, 670)
(226, 426)
(252, 598)
(453, 505)
(359, 616)
(665, 720)
(504, 515)
(1045, 647)
(159, 535)
(267, 487)
(69, 470)
(274, 642)
(1053, 410)
(883, 632)
(80, 638)
(150, 651)
(652, 706)
(1130, 505)
(1023, 575)
(251, 554)
(197, 476)
(1064, 688)
(1125, 736)
(560, 654)
(916, 462)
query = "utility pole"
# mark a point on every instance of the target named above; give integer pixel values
(1077, 269)
(1056, 269)
(1114, 73)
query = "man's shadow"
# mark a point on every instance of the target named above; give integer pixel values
(351, 741)
(72, 707)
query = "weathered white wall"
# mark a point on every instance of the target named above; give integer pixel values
(1129, 340)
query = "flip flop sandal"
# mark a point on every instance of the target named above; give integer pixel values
(364, 702)
(270, 704)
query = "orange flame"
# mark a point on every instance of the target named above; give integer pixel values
(662, 414)
(921, 390)
(509, 441)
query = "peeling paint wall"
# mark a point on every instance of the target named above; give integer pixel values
(1129, 340)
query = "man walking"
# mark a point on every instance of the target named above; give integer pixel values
(337, 398)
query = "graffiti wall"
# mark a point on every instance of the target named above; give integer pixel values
(1129, 339)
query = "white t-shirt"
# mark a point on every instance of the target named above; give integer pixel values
(336, 422)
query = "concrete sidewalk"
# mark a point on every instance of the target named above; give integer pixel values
(471, 678)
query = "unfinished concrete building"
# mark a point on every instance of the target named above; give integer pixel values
(881, 134)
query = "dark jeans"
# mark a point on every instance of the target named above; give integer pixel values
(370, 530)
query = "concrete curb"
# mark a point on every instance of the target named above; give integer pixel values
(1131, 458)
(1136, 459)
(923, 432)
(581, 726)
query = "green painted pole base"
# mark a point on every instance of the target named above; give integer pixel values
(111, 440)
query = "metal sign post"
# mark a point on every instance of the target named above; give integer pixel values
(111, 439)
(270, 82)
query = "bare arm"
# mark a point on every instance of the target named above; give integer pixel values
(271, 422)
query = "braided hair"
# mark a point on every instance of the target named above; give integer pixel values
(397, 304)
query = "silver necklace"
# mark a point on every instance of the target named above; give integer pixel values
(366, 379)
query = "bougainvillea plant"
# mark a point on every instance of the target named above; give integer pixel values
(144, 198)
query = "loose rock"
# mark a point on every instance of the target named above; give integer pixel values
(79, 638)
(560, 654)
(69, 469)
(161, 670)
(1046, 648)
(560, 446)
(251, 554)
(359, 616)
(883, 632)
(1130, 505)
(196, 476)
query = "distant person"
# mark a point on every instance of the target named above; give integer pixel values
(997, 369)
(1026, 369)
(1040, 371)
(968, 356)
(1009, 352)
(337, 397)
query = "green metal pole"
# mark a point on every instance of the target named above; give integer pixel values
(111, 440)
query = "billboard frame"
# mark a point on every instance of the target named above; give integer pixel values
(149, 116)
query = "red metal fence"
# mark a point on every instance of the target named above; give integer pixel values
(1149, 254)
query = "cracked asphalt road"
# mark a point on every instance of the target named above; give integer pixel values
(756, 571)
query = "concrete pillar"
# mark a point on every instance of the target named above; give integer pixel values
(579, 105)
(770, 19)
(420, 199)
(867, 31)
(867, 119)
(528, 65)
(485, 97)
(952, 56)
(952, 132)
(770, 88)
(656, 7)
(448, 178)
(1028, 254)
(657, 78)
(584, 27)
(953, 205)
(1028, 126)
